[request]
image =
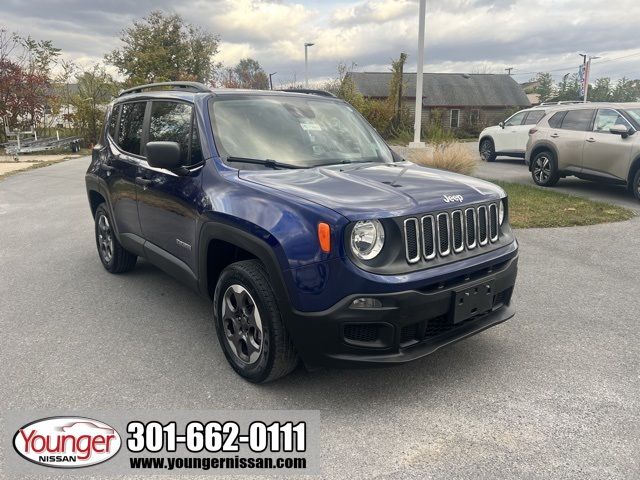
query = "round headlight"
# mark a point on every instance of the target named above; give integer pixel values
(367, 239)
(501, 210)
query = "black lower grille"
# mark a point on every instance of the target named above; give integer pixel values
(502, 297)
(366, 332)
(409, 333)
(437, 325)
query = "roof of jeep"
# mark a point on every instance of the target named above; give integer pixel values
(214, 92)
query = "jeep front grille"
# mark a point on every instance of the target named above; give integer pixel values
(449, 233)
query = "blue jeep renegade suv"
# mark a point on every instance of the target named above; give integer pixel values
(313, 239)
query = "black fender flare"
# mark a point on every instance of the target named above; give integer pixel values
(96, 184)
(258, 247)
(542, 144)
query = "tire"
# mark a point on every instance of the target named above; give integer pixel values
(487, 150)
(258, 347)
(113, 256)
(544, 169)
(635, 185)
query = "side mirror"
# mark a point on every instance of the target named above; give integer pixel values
(164, 155)
(501, 124)
(621, 130)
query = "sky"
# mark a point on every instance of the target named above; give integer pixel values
(473, 36)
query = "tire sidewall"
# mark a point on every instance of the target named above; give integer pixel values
(101, 210)
(635, 186)
(259, 370)
(491, 158)
(554, 169)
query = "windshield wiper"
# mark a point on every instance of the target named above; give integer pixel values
(266, 162)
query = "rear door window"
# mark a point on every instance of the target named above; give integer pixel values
(577, 120)
(172, 122)
(130, 129)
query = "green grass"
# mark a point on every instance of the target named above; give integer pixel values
(536, 207)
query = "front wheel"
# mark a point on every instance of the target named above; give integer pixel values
(249, 326)
(487, 150)
(635, 185)
(544, 169)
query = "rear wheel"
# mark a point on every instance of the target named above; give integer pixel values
(635, 186)
(487, 150)
(544, 169)
(112, 255)
(249, 326)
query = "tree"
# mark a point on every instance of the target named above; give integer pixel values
(569, 89)
(601, 90)
(246, 74)
(164, 48)
(544, 86)
(96, 88)
(626, 90)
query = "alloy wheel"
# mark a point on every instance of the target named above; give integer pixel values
(242, 324)
(542, 169)
(485, 150)
(105, 238)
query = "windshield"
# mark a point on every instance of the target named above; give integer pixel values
(634, 113)
(299, 131)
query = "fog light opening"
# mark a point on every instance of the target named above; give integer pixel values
(366, 302)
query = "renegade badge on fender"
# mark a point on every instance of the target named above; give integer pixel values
(313, 240)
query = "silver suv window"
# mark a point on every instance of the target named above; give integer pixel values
(607, 118)
(577, 120)
(534, 117)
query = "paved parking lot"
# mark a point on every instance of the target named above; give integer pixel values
(552, 393)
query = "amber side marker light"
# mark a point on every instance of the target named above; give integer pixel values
(324, 237)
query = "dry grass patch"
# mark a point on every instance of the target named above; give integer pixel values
(536, 207)
(452, 156)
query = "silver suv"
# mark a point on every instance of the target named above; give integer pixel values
(593, 141)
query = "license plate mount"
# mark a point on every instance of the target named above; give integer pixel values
(473, 301)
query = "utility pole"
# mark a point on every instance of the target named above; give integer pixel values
(508, 70)
(417, 126)
(306, 64)
(270, 81)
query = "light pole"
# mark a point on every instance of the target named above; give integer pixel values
(270, 81)
(306, 63)
(417, 126)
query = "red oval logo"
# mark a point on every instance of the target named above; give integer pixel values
(67, 442)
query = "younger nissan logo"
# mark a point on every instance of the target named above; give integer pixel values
(452, 198)
(67, 442)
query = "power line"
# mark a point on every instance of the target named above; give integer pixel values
(571, 68)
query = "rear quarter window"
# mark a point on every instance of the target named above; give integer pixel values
(556, 119)
(534, 117)
(113, 121)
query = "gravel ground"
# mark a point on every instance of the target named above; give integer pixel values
(552, 393)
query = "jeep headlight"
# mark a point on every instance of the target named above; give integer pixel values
(367, 239)
(501, 209)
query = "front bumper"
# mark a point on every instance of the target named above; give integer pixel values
(409, 325)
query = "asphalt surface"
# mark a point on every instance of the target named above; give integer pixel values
(552, 393)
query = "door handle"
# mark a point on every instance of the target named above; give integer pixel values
(591, 140)
(144, 182)
(108, 167)
(554, 135)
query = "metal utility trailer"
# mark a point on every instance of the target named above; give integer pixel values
(30, 145)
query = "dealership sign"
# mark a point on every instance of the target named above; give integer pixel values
(67, 442)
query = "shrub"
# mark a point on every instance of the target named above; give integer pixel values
(379, 114)
(452, 156)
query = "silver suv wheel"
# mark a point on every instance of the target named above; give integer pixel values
(542, 169)
(242, 324)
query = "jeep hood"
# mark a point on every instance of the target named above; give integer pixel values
(376, 189)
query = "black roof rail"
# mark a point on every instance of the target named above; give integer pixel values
(322, 93)
(186, 86)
